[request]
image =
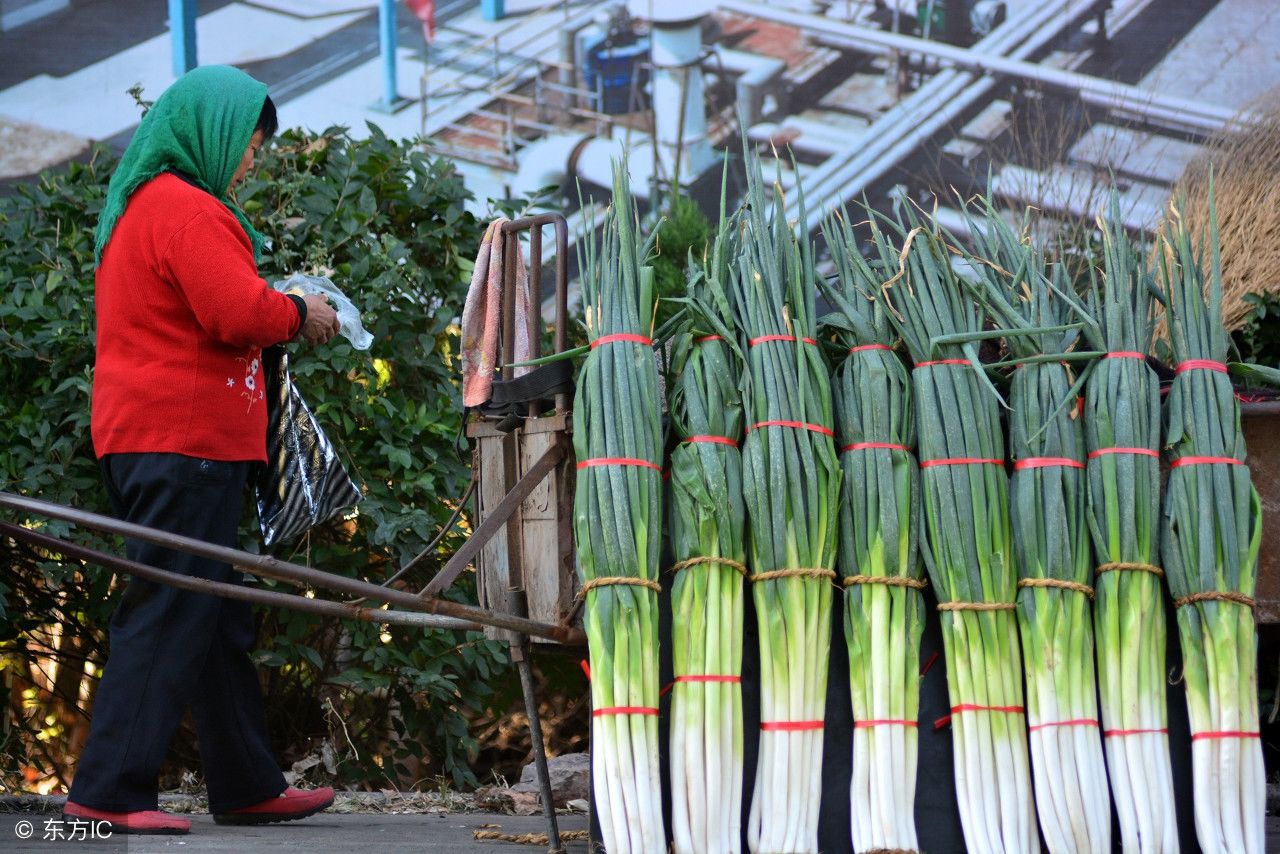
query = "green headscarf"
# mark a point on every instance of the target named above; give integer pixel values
(199, 126)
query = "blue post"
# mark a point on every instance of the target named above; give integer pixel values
(387, 44)
(493, 10)
(182, 27)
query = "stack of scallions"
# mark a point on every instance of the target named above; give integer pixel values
(968, 546)
(1122, 437)
(1213, 529)
(618, 525)
(791, 485)
(708, 526)
(1030, 301)
(879, 547)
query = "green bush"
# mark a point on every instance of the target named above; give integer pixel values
(685, 229)
(387, 223)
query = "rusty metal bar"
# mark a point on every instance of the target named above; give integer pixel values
(535, 303)
(495, 520)
(324, 608)
(536, 224)
(294, 573)
(508, 322)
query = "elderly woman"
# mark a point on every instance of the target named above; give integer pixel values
(179, 416)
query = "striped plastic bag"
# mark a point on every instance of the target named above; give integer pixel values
(303, 483)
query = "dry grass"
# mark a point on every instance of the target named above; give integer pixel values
(1246, 178)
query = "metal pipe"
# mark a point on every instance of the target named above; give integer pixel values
(943, 88)
(182, 33)
(883, 151)
(1129, 98)
(520, 655)
(341, 610)
(387, 47)
(294, 573)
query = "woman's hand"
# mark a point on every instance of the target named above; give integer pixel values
(322, 321)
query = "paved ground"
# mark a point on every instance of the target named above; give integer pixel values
(324, 833)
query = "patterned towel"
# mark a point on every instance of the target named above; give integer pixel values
(481, 316)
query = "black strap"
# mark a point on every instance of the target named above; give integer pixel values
(510, 399)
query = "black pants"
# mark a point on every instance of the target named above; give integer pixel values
(173, 649)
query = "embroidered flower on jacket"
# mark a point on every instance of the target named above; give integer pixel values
(252, 364)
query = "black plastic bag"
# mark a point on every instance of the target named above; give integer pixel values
(303, 483)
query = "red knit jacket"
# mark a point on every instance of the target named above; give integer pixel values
(182, 317)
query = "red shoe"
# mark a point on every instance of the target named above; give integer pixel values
(142, 821)
(290, 805)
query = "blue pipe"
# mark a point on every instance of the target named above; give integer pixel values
(387, 45)
(182, 28)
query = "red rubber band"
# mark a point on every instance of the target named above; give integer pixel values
(1076, 722)
(1144, 452)
(1204, 461)
(709, 677)
(869, 724)
(1047, 462)
(618, 461)
(790, 726)
(624, 710)
(763, 338)
(711, 440)
(1200, 365)
(862, 347)
(1196, 736)
(799, 425)
(666, 690)
(972, 707)
(586, 668)
(1126, 354)
(960, 461)
(928, 665)
(622, 336)
(942, 721)
(1116, 733)
(706, 338)
(943, 362)
(867, 446)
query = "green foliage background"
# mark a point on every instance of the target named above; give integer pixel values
(387, 223)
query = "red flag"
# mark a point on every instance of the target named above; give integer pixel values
(424, 11)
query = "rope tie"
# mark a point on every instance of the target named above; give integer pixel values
(891, 580)
(1058, 583)
(1132, 567)
(976, 606)
(740, 568)
(801, 572)
(1215, 596)
(618, 580)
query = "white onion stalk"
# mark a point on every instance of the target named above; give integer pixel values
(1213, 531)
(791, 485)
(879, 551)
(708, 522)
(618, 527)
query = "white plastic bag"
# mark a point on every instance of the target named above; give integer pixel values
(349, 325)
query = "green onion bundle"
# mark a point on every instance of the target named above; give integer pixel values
(791, 484)
(1050, 537)
(618, 526)
(1213, 529)
(1122, 435)
(708, 525)
(879, 550)
(968, 544)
